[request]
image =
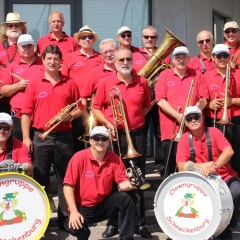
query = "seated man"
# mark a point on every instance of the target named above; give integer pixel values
(13, 153)
(88, 185)
(209, 159)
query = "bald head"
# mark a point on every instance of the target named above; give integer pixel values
(205, 42)
(204, 33)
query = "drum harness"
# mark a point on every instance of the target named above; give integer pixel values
(9, 148)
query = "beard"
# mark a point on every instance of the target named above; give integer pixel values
(13, 34)
(124, 69)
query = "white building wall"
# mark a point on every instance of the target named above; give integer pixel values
(2, 11)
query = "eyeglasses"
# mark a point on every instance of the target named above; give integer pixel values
(147, 37)
(97, 139)
(219, 56)
(13, 25)
(195, 117)
(205, 40)
(108, 52)
(126, 35)
(234, 30)
(5, 128)
(123, 59)
(83, 37)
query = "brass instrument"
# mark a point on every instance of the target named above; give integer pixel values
(225, 120)
(59, 118)
(120, 117)
(91, 122)
(215, 112)
(154, 64)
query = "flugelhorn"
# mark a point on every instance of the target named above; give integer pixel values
(59, 118)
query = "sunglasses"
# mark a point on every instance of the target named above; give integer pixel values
(13, 25)
(83, 37)
(234, 30)
(205, 40)
(195, 117)
(123, 59)
(219, 56)
(126, 35)
(103, 139)
(5, 128)
(147, 37)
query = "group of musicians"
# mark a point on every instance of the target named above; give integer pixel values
(47, 90)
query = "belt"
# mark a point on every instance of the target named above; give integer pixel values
(52, 133)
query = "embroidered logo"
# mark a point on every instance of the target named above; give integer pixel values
(19, 70)
(170, 83)
(139, 61)
(214, 87)
(78, 64)
(89, 174)
(2, 53)
(42, 94)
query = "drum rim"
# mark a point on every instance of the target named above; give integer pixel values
(48, 210)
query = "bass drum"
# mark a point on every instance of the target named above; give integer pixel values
(24, 207)
(190, 206)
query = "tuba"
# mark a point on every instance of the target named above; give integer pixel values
(154, 64)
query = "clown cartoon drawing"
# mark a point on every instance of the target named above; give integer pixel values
(9, 215)
(187, 211)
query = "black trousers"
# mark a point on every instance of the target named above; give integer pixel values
(5, 107)
(122, 202)
(57, 148)
(232, 133)
(139, 142)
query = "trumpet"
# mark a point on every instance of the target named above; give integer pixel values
(59, 118)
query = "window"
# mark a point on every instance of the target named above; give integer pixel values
(218, 23)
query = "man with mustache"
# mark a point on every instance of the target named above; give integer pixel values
(9, 33)
(172, 91)
(209, 158)
(135, 95)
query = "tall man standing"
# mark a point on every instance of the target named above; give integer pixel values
(135, 95)
(45, 97)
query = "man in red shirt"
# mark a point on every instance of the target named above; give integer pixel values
(45, 97)
(27, 67)
(88, 185)
(203, 62)
(213, 160)
(231, 34)
(216, 84)
(13, 153)
(172, 91)
(9, 33)
(57, 36)
(124, 36)
(135, 96)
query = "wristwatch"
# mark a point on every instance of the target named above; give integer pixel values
(215, 166)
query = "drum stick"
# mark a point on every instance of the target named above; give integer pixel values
(22, 168)
(16, 76)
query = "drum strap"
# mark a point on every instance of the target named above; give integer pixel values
(202, 64)
(9, 148)
(192, 149)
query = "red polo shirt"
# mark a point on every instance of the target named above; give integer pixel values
(93, 79)
(139, 60)
(66, 44)
(175, 91)
(196, 64)
(20, 153)
(135, 97)
(25, 71)
(216, 84)
(92, 182)
(77, 66)
(219, 142)
(233, 51)
(133, 49)
(44, 101)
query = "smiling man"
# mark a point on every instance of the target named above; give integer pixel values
(209, 159)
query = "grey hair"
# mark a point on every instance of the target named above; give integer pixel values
(107, 41)
(121, 49)
(56, 11)
(152, 28)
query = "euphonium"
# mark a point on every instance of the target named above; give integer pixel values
(154, 64)
(59, 118)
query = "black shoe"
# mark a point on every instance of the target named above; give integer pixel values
(160, 170)
(144, 232)
(110, 231)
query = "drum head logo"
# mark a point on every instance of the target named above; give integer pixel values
(187, 210)
(11, 215)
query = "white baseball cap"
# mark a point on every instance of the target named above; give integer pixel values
(123, 29)
(99, 130)
(25, 39)
(5, 118)
(180, 50)
(232, 24)
(192, 109)
(220, 48)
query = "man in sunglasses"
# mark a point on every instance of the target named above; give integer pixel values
(9, 34)
(57, 36)
(231, 34)
(172, 91)
(77, 66)
(88, 184)
(203, 62)
(124, 36)
(13, 153)
(216, 84)
(209, 158)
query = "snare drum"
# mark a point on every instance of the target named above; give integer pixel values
(24, 207)
(190, 206)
